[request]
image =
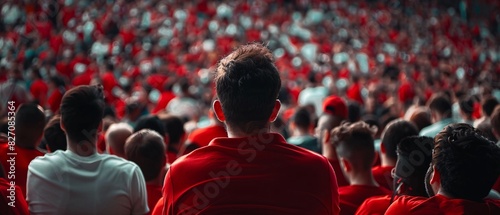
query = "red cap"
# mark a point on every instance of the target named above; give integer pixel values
(334, 105)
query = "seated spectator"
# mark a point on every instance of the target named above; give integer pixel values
(414, 157)
(176, 134)
(79, 180)
(464, 167)
(487, 106)
(441, 115)
(115, 138)
(54, 136)
(356, 152)
(239, 174)
(30, 121)
(394, 132)
(421, 117)
(146, 148)
(202, 136)
(300, 127)
(334, 112)
(466, 109)
(12, 200)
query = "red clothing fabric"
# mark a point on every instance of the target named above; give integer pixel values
(258, 174)
(496, 186)
(39, 90)
(22, 160)
(162, 103)
(154, 194)
(55, 99)
(352, 196)
(382, 175)
(375, 205)
(19, 207)
(202, 136)
(171, 156)
(341, 179)
(158, 209)
(440, 204)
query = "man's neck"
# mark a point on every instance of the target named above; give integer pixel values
(236, 133)
(84, 148)
(362, 178)
(386, 161)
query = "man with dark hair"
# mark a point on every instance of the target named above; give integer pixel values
(53, 136)
(393, 133)
(147, 150)
(356, 152)
(176, 134)
(487, 106)
(414, 157)
(79, 180)
(464, 167)
(29, 124)
(441, 115)
(301, 126)
(252, 171)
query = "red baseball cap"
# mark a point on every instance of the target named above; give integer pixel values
(334, 105)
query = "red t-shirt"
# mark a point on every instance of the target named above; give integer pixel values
(55, 99)
(39, 90)
(259, 174)
(375, 205)
(22, 160)
(20, 207)
(341, 179)
(162, 103)
(158, 209)
(154, 194)
(440, 204)
(352, 196)
(382, 175)
(171, 156)
(202, 136)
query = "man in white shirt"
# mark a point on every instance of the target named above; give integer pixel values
(78, 180)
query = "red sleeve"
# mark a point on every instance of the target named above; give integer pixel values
(335, 190)
(168, 200)
(374, 206)
(400, 206)
(158, 210)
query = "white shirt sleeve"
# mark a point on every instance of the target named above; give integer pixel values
(138, 193)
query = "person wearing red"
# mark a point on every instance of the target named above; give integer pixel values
(414, 157)
(147, 150)
(356, 151)
(39, 88)
(57, 89)
(464, 167)
(202, 136)
(393, 133)
(30, 122)
(174, 129)
(252, 171)
(12, 200)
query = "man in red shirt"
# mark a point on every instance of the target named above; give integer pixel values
(414, 157)
(393, 133)
(202, 136)
(356, 152)
(251, 171)
(12, 200)
(30, 122)
(147, 150)
(464, 167)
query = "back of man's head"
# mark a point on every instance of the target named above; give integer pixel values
(115, 137)
(414, 157)
(175, 129)
(440, 104)
(302, 118)
(394, 132)
(488, 105)
(354, 142)
(54, 136)
(147, 150)
(30, 122)
(151, 122)
(82, 109)
(467, 162)
(247, 84)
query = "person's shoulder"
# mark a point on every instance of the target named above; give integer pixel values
(406, 204)
(113, 160)
(48, 158)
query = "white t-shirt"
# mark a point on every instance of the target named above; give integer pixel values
(66, 183)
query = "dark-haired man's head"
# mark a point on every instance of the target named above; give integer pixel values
(30, 122)
(393, 133)
(82, 110)
(421, 117)
(175, 131)
(301, 121)
(466, 106)
(488, 105)
(247, 84)
(440, 106)
(151, 122)
(465, 163)
(147, 150)
(354, 145)
(54, 136)
(414, 157)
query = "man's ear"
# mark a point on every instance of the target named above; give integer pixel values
(346, 165)
(61, 124)
(276, 110)
(217, 106)
(435, 177)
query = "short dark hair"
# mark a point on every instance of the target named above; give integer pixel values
(54, 136)
(468, 163)
(394, 132)
(441, 104)
(82, 110)
(354, 142)
(302, 118)
(30, 122)
(488, 105)
(152, 122)
(414, 157)
(174, 128)
(247, 84)
(147, 150)
(466, 105)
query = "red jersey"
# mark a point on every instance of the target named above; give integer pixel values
(158, 209)
(202, 136)
(258, 174)
(22, 160)
(19, 205)
(382, 175)
(440, 204)
(375, 205)
(352, 196)
(154, 194)
(341, 179)
(39, 90)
